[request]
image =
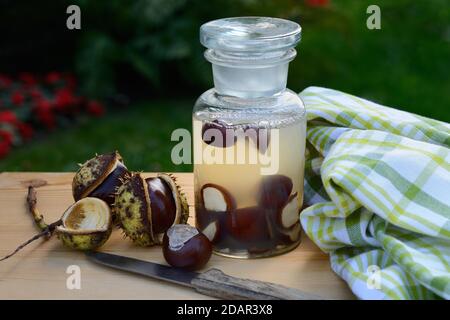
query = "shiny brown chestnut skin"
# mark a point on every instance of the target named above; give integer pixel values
(106, 190)
(193, 252)
(222, 129)
(275, 191)
(162, 204)
(249, 224)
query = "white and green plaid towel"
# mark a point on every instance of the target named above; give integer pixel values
(378, 189)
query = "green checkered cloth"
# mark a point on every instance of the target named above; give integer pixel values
(377, 183)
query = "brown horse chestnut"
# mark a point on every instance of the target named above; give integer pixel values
(217, 198)
(162, 203)
(275, 191)
(184, 246)
(249, 224)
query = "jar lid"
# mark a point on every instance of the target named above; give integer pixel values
(250, 34)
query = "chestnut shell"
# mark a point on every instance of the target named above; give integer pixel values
(92, 174)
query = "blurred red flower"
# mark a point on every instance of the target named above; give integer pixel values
(44, 113)
(71, 81)
(5, 81)
(52, 77)
(5, 143)
(8, 116)
(35, 93)
(95, 108)
(26, 131)
(47, 118)
(63, 98)
(43, 105)
(27, 78)
(6, 136)
(317, 3)
(17, 98)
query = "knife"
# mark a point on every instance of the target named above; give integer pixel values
(212, 282)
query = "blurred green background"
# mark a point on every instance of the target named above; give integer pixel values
(147, 52)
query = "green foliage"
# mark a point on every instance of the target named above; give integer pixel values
(405, 64)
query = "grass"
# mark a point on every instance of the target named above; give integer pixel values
(141, 134)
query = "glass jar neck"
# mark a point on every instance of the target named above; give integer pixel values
(250, 75)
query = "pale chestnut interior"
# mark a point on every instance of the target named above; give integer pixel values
(214, 199)
(157, 185)
(290, 213)
(87, 214)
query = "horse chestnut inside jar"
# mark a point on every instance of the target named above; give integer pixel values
(184, 246)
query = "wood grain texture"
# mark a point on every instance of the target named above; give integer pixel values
(218, 284)
(39, 271)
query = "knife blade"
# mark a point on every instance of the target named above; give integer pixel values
(212, 282)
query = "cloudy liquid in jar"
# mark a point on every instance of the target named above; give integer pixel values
(249, 194)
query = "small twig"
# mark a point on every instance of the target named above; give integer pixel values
(31, 201)
(48, 231)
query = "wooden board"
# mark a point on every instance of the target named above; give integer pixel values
(39, 271)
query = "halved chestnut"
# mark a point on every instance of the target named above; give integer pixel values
(184, 246)
(275, 191)
(217, 198)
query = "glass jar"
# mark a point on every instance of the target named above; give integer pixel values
(249, 139)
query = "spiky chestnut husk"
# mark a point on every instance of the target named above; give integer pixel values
(77, 234)
(100, 177)
(134, 208)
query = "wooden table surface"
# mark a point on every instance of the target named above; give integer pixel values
(39, 270)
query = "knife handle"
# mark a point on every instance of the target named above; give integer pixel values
(217, 284)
